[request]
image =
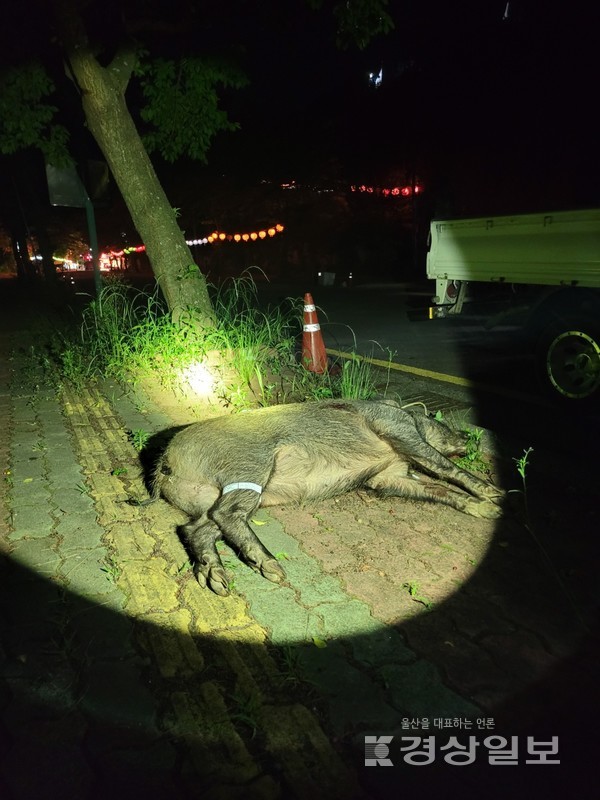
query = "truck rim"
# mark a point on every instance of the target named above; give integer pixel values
(573, 364)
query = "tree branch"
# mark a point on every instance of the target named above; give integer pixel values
(122, 66)
(79, 51)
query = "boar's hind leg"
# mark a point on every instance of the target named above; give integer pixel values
(393, 482)
(231, 512)
(439, 466)
(201, 537)
(400, 430)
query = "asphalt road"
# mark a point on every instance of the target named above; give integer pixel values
(391, 320)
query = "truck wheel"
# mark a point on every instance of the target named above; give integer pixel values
(569, 359)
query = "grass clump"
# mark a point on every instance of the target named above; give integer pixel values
(258, 346)
(474, 459)
(356, 380)
(124, 333)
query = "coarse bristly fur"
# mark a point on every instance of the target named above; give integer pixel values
(306, 452)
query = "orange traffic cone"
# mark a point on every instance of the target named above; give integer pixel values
(314, 356)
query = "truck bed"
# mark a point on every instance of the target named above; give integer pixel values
(556, 248)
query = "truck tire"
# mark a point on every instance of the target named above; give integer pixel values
(568, 360)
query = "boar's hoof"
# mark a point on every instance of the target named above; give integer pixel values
(492, 492)
(213, 577)
(484, 509)
(271, 570)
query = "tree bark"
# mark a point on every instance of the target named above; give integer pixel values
(103, 98)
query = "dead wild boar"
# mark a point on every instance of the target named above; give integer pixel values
(220, 470)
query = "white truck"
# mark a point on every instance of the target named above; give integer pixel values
(542, 268)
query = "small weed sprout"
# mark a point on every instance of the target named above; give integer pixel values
(413, 590)
(473, 458)
(522, 464)
(291, 669)
(247, 710)
(139, 438)
(112, 569)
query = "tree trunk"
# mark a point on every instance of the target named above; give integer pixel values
(25, 270)
(103, 98)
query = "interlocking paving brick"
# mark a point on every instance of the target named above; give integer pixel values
(31, 492)
(149, 586)
(88, 573)
(114, 693)
(417, 691)
(172, 644)
(79, 533)
(37, 555)
(288, 622)
(130, 540)
(351, 695)
(31, 522)
(204, 722)
(299, 745)
(350, 618)
(98, 632)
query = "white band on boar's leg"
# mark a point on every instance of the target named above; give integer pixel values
(231, 487)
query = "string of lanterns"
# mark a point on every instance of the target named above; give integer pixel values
(253, 236)
(220, 236)
(394, 191)
(240, 237)
(213, 238)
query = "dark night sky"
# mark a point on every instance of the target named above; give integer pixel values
(494, 114)
(504, 107)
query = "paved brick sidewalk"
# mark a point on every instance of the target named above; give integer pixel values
(119, 674)
(120, 677)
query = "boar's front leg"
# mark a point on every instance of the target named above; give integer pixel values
(393, 481)
(402, 432)
(231, 513)
(201, 536)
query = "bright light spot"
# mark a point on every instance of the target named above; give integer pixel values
(199, 377)
(376, 78)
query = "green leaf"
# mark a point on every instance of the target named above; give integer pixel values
(182, 105)
(25, 119)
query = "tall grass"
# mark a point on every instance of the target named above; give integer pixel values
(258, 344)
(128, 334)
(125, 333)
(356, 380)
